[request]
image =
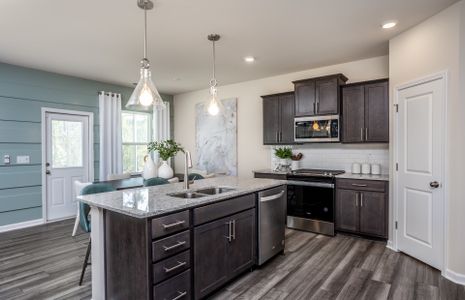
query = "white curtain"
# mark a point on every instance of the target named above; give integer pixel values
(111, 161)
(161, 126)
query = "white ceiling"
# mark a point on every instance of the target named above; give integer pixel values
(102, 39)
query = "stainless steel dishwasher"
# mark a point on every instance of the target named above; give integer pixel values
(271, 223)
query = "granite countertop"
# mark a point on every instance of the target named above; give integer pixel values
(153, 201)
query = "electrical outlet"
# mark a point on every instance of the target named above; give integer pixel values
(24, 159)
(6, 159)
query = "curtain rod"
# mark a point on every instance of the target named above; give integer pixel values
(107, 93)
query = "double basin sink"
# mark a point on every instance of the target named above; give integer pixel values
(202, 192)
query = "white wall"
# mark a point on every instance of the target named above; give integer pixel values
(252, 154)
(430, 47)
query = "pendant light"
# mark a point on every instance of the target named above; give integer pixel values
(214, 105)
(145, 93)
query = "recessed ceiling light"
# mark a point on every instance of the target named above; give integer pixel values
(389, 24)
(249, 59)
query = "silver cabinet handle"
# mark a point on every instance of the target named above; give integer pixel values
(229, 236)
(359, 185)
(356, 199)
(366, 134)
(361, 134)
(168, 226)
(277, 136)
(361, 199)
(180, 295)
(314, 107)
(233, 235)
(280, 136)
(272, 197)
(179, 265)
(178, 244)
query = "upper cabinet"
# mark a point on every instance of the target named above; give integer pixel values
(278, 119)
(365, 112)
(318, 96)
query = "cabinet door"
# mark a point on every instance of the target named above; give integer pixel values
(242, 246)
(377, 112)
(373, 213)
(271, 121)
(287, 118)
(327, 96)
(304, 98)
(347, 213)
(210, 254)
(353, 114)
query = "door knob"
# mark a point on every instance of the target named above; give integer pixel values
(434, 184)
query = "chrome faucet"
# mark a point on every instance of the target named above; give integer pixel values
(187, 165)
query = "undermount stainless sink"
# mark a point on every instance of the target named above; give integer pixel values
(214, 190)
(187, 195)
(202, 192)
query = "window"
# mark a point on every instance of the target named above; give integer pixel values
(136, 129)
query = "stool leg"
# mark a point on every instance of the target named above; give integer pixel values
(84, 265)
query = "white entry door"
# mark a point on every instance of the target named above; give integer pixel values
(67, 160)
(420, 140)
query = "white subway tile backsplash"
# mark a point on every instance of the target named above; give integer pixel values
(339, 156)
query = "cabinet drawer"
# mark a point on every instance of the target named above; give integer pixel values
(171, 266)
(170, 224)
(176, 288)
(218, 210)
(361, 185)
(171, 245)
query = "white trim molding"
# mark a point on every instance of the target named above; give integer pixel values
(44, 111)
(21, 225)
(454, 276)
(390, 245)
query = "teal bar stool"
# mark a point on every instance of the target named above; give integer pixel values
(195, 176)
(84, 220)
(155, 181)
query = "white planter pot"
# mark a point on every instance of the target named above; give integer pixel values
(295, 165)
(283, 162)
(165, 170)
(150, 169)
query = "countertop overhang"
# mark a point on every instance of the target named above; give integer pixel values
(155, 201)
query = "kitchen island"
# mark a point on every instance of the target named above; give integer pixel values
(146, 241)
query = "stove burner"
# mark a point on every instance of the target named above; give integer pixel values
(317, 172)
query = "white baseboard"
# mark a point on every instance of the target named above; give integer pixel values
(390, 245)
(16, 226)
(454, 276)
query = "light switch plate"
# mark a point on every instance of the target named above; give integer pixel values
(6, 159)
(24, 159)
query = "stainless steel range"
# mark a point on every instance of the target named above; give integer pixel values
(310, 203)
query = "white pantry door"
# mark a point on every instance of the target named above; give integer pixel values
(67, 160)
(421, 135)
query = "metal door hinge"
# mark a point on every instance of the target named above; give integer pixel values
(397, 107)
(395, 225)
(397, 166)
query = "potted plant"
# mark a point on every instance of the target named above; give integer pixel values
(166, 149)
(284, 154)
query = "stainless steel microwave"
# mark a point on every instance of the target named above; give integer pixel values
(316, 129)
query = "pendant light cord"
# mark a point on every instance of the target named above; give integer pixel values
(145, 33)
(213, 80)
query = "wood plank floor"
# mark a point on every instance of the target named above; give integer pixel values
(44, 262)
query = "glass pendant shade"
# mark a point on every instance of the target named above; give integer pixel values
(145, 93)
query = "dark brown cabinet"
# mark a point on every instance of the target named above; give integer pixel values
(318, 96)
(223, 249)
(365, 112)
(278, 119)
(362, 206)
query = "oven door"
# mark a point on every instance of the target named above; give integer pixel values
(311, 201)
(316, 129)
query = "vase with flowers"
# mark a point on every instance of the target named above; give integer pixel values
(166, 149)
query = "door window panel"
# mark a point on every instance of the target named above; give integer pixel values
(67, 143)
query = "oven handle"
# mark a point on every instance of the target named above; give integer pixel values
(313, 184)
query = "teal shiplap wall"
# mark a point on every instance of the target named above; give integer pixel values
(23, 92)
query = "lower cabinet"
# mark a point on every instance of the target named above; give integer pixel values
(223, 249)
(361, 207)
